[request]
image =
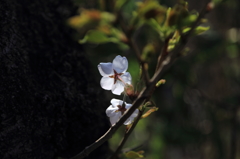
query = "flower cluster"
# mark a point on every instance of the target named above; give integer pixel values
(115, 78)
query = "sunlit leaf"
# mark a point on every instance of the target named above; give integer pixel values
(201, 29)
(198, 30)
(107, 17)
(87, 18)
(173, 41)
(160, 82)
(149, 104)
(95, 36)
(152, 9)
(133, 155)
(179, 15)
(151, 110)
(187, 21)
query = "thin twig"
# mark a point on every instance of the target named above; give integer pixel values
(127, 134)
(163, 54)
(146, 92)
(139, 58)
(128, 33)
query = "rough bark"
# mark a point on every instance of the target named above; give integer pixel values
(49, 100)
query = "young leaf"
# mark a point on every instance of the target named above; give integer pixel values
(160, 82)
(198, 30)
(153, 109)
(133, 155)
(95, 36)
(87, 18)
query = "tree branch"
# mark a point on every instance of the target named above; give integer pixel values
(127, 134)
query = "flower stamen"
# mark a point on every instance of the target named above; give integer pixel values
(122, 109)
(117, 76)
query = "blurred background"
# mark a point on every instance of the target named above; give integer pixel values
(199, 106)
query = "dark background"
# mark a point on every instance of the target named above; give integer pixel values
(49, 99)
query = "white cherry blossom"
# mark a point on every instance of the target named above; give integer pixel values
(117, 109)
(114, 75)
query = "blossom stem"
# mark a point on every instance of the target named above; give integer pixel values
(124, 100)
(142, 63)
(127, 134)
(131, 44)
(163, 54)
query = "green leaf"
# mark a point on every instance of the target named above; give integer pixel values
(160, 82)
(120, 3)
(189, 20)
(107, 18)
(150, 111)
(133, 155)
(102, 36)
(201, 29)
(152, 9)
(173, 41)
(198, 30)
(95, 36)
(87, 18)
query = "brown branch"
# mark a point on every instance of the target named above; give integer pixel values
(128, 33)
(147, 91)
(163, 54)
(138, 55)
(127, 134)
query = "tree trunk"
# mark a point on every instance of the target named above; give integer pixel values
(50, 103)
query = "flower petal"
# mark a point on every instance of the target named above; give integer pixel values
(120, 64)
(105, 69)
(107, 83)
(111, 111)
(131, 118)
(128, 121)
(127, 78)
(118, 88)
(135, 113)
(128, 105)
(116, 102)
(115, 118)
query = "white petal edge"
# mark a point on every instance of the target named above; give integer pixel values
(116, 102)
(105, 69)
(128, 105)
(127, 78)
(118, 88)
(135, 113)
(128, 121)
(115, 118)
(120, 64)
(111, 111)
(107, 83)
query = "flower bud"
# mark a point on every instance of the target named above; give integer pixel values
(129, 90)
